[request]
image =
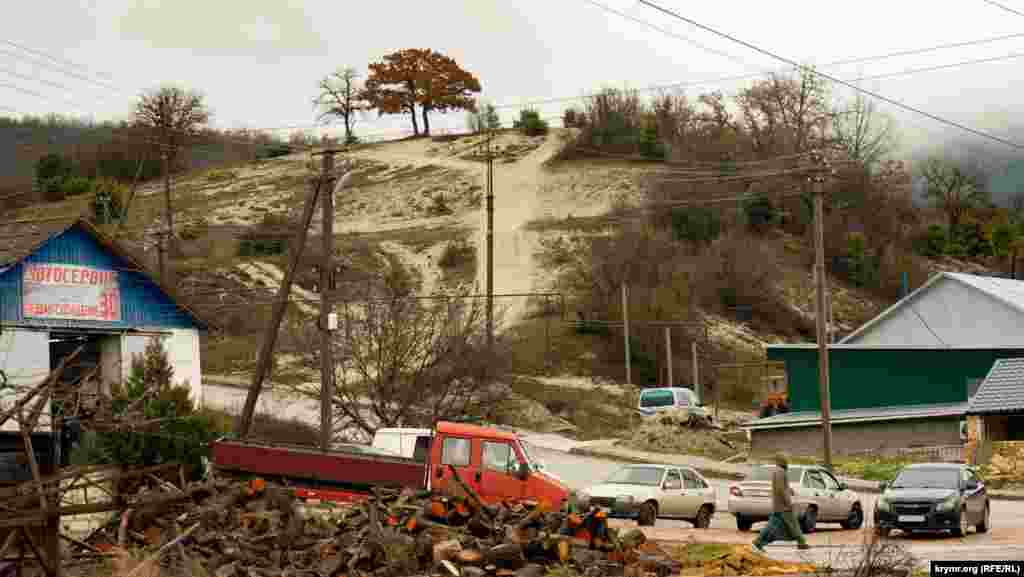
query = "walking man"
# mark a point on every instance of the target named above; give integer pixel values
(782, 523)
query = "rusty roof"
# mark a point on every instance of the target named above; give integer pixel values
(18, 239)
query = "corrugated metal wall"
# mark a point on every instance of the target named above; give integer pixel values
(872, 378)
(143, 304)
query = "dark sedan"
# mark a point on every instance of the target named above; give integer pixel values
(933, 497)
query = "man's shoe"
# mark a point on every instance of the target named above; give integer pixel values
(803, 546)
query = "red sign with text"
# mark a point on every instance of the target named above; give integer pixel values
(70, 291)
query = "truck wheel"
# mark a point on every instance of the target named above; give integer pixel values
(648, 514)
(703, 520)
(744, 523)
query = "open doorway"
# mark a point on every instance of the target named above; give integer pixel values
(85, 381)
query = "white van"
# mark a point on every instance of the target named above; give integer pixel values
(409, 443)
(653, 401)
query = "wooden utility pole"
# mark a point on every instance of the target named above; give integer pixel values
(490, 247)
(270, 338)
(696, 383)
(668, 354)
(162, 236)
(821, 313)
(326, 273)
(625, 331)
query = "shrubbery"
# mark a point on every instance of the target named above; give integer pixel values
(178, 433)
(530, 123)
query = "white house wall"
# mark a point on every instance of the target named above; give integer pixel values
(25, 359)
(182, 346)
(953, 315)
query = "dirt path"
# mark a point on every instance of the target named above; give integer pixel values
(516, 202)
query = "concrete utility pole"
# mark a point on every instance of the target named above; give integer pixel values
(270, 338)
(490, 246)
(326, 274)
(818, 179)
(668, 354)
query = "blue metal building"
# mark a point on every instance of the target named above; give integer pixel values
(64, 284)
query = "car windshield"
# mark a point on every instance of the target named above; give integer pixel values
(764, 473)
(657, 399)
(637, 476)
(927, 479)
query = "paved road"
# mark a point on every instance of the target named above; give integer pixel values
(832, 545)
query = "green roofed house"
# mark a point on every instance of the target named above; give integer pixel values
(906, 378)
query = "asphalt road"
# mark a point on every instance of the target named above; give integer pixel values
(831, 544)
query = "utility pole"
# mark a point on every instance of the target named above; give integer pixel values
(270, 338)
(326, 274)
(818, 178)
(625, 331)
(696, 383)
(490, 246)
(161, 237)
(668, 354)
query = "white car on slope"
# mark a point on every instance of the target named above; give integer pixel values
(650, 492)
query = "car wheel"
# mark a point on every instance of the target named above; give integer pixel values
(703, 520)
(855, 519)
(809, 521)
(964, 524)
(648, 514)
(744, 523)
(983, 526)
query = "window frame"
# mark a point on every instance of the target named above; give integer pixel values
(445, 453)
(810, 475)
(509, 458)
(665, 479)
(690, 476)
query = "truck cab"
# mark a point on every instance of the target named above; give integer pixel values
(494, 463)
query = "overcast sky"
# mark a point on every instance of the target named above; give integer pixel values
(258, 61)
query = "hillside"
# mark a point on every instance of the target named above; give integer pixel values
(419, 203)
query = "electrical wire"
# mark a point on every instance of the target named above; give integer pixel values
(39, 62)
(1004, 7)
(831, 78)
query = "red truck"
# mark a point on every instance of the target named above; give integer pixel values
(492, 462)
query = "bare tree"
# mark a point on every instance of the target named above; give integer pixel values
(404, 360)
(954, 187)
(865, 134)
(342, 96)
(172, 115)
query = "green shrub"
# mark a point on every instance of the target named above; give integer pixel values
(53, 166)
(614, 132)
(696, 224)
(77, 186)
(760, 213)
(650, 145)
(178, 434)
(530, 123)
(52, 189)
(933, 242)
(273, 151)
(107, 205)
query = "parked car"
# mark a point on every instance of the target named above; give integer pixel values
(818, 498)
(650, 492)
(653, 401)
(933, 497)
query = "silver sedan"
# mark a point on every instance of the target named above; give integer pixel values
(817, 497)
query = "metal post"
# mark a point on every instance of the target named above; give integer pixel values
(696, 383)
(326, 273)
(819, 263)
(625, 331)
(668, 354)
(490, 247)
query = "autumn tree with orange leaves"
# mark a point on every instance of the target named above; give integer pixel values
(413, 77)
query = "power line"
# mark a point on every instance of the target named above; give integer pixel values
(1004, 7)
(750, 76)
(793, 63)
(52, 58)
(38, 62)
